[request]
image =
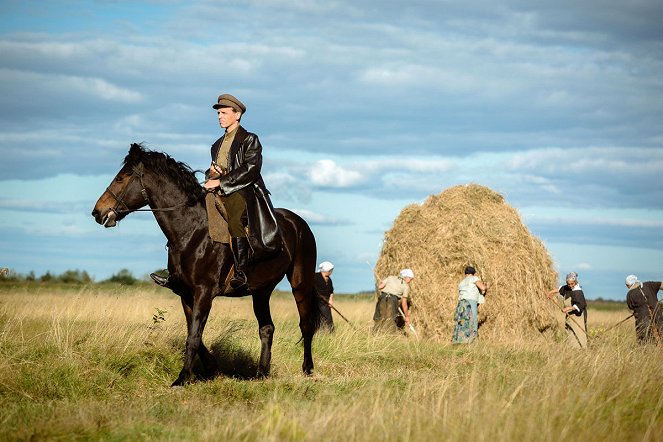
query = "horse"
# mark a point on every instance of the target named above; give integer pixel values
(198, 266)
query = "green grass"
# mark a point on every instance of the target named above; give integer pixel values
(606, 305)
(91, 363)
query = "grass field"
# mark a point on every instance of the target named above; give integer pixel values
(97, 362)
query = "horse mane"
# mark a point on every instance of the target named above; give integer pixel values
(163, 164)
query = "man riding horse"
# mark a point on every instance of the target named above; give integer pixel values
(239, 209)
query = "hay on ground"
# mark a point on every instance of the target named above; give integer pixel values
(472, 225)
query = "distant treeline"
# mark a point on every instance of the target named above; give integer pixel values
(124, 277)
(607, 304)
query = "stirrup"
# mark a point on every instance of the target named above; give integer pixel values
(238, 281)
(160, 280)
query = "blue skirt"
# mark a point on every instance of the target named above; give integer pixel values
(466, 329)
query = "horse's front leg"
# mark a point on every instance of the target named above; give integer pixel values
(206, 357)
(196, 312)
(265, 329)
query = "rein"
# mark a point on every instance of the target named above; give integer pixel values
(119, 201)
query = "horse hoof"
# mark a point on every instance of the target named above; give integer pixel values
(181, 381)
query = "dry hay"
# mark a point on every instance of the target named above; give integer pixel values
(472, 225)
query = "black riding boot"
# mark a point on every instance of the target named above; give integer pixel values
(160, 280)
(240, 248)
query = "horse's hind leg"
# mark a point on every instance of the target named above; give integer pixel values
(265, 329)
(301, 281)
(307, 325)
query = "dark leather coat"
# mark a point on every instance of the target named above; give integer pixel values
(244, 164)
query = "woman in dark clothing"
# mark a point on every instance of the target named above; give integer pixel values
(575, 308)
(325, 289)
(643, 301)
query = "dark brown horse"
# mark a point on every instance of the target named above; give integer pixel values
(198, 266)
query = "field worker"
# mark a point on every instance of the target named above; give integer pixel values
(575, 306)
(642, 300)
(325, 289)
(471, 291)
(393, 303)
(238, 197)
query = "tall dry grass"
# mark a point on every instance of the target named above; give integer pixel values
(94, 364)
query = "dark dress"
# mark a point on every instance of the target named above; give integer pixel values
(387, 315)
(576, 329)
(325, 289)
(577, 300)
(644, 303)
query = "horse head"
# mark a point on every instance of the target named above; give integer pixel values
(126, 193)
(143, 179)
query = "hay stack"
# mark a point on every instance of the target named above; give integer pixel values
(472, 225)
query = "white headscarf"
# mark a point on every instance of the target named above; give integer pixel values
(405, 273)
(326, 266)
(632, 280)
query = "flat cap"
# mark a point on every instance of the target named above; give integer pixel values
(227, 100)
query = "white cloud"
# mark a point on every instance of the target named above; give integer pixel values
(606, 160)
(98, 87)
(406, 163)
(286, 188)
(326, 173)
(317, 218)
(583, 266)
(23, 205)
(67, 86)
(60, 230)
(541, 183)
(584, 218)
(396, 76)
(279, 179)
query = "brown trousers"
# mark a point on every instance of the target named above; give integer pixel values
(235, 206)
(226, 216)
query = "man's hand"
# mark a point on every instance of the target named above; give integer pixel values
(215, 168)
(215, 172)
(212, 184)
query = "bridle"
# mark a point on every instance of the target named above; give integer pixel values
(137, 171)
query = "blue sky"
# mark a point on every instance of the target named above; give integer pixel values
(362, 107)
